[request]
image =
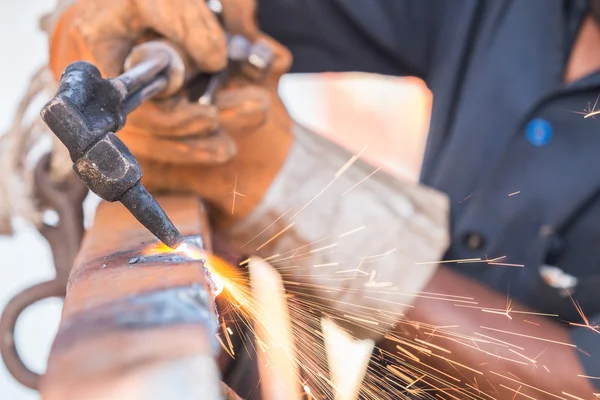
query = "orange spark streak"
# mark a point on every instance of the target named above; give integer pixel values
(459, 364)
(323, 248)
(512, 194)
(588, 377)
(479, 392)
(546, 368)
(246, 261)
(501, 311)
(583, 317)
(432, 298)
(333, 264)
(276, 236)
(267, 228)
(235, 193)
(390, 301)
(572, 396)
(488, 353)
(226, 332)
(531, 360)
(517, 392)
(449, 261)
(540, 354)
(529, 386)
(532, 323)
(362, 180)
(413, 382)
(353, 231)
(408, 353)
(433, 345)
(379, 255)
(448, 394)
(466, 198)
(313, 199)
(351, 270)
(446, 295)
(297, 249)
(590, 110)
(362, 320)
(441, 372)
(507, 264)
(398, 373)
(406, 343)
(351, 161)
(224, 347)
(378, 284)
(505, 313)
(271, 257)
(530, 337)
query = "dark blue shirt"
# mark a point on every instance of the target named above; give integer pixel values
(502, 122)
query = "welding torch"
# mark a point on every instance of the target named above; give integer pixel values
(88, 110)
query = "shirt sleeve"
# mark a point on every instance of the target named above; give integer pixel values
(390, 37)
(588, 350)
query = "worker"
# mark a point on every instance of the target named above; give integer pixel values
(510, 81)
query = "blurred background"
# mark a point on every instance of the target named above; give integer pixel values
(389, 115)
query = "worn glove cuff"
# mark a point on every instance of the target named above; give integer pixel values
(351, 238)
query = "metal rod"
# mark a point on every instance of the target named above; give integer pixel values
(215, 83)
(144, 72)
(145, 209)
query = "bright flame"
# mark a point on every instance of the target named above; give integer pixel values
(211, 262)
(158, 248)
(217, 281)
(214, 264)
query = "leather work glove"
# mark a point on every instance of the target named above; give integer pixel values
(349, 242)
(358, 245)
(177, 141)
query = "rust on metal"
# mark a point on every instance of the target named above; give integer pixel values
(136, 331)
(64, 238)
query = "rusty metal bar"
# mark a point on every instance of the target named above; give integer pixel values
(66, 198)
(136, 324)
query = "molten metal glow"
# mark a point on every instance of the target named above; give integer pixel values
(213, 264)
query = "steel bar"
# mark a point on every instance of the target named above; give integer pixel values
(64, 238)
(136, 324)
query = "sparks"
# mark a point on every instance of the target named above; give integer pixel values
(530, 337)
(352, 231)
(362, 180)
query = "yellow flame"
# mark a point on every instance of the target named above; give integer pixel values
(215, 265)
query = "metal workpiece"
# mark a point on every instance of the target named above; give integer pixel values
(66, 199)
(141, 330)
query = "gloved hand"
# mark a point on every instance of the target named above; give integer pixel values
(290, 209)
(357, 245)
(177, 141)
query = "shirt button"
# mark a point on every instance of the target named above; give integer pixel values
(474, 241)
(538, 132)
